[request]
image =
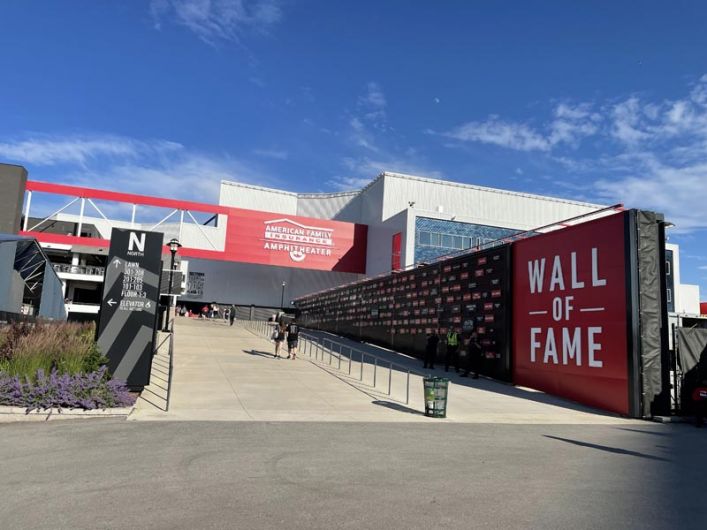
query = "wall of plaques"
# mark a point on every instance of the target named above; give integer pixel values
(399, 310)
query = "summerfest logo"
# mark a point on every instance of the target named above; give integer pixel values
(298, 240)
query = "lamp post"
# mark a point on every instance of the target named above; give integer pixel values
(173, 248)
(282, 298)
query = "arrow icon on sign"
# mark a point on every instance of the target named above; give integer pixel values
(117, 263)
(111, 302)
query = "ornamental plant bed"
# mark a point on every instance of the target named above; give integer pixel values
(56, 366)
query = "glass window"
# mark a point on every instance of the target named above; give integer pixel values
(434, 240)
(424, 238)
(467, 242)
(458, 242)
(447, 241)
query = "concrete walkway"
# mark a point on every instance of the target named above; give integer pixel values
(224, 373)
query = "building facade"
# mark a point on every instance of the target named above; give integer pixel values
(265, 247)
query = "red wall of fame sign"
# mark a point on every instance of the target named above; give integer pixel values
(292, 241)
(569, 313)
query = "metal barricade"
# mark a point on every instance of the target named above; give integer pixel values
(327, 351)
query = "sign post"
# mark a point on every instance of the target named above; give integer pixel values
(129, 305)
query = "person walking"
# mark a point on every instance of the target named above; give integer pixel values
(292, 330)
(473, 357)
(452, 356)
(431, 349)
(232, 314)
(279, 338)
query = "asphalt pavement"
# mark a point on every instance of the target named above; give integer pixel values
(119, 474)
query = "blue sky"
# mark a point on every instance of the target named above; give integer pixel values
(605, 102)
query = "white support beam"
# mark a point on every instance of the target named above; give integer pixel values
(181, 224)
(163, 220)
(201, 230)
(80, 225)
(29, 202)
(97, 209)
(54, 214)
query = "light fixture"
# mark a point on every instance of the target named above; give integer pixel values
(174, 246)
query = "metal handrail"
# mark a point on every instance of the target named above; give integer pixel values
(171, 363)
(318, 347)
(364, 356)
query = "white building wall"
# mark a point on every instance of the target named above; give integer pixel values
(240, 195)
(380, 244)
(689, 299)
(323, 206)
(475, 204)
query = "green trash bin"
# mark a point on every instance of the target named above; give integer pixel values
(436, 389)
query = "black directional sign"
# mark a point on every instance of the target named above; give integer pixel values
(129, 306)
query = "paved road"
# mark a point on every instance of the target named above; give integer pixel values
(112, 474)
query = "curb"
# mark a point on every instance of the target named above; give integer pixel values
(17, 414)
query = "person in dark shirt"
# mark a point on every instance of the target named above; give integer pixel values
(279, 338)
(473, 356)
(232, 314)
(431, 349)
(292, 330)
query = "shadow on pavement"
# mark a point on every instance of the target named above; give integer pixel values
(405, 362)
(606, 448)
(644, 431)
(259, 353)
(397, 407)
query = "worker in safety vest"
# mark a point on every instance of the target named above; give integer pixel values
(452, 357)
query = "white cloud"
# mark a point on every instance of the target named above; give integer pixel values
(678, 192)
(569, 125)
(360, 135)
(153, 167)
(191, 176)
(627, 118)
(495, 131)
(374, 96)
(374, 145)
(216, 20)
(372, 105)
(348, 183)
(631, 123)
(653, 153)
(46, 150)
(365, 168)
(572, 123)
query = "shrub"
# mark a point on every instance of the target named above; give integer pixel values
(86, 391)
(68, 348)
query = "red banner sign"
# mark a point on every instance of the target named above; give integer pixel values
(569, 313)
(292, 241)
